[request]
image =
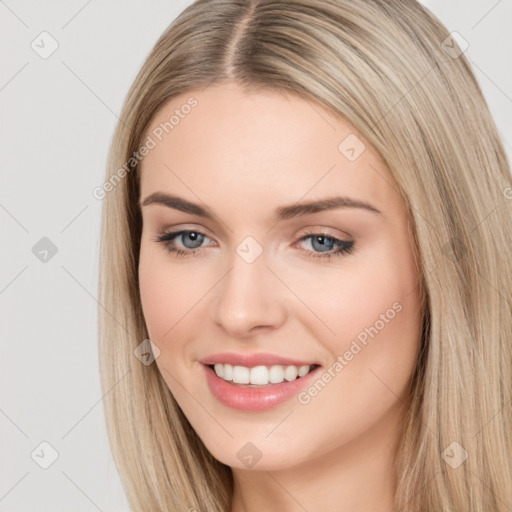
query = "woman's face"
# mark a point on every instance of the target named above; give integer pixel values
(258, 287)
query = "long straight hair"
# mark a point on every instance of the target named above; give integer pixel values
(396, 74)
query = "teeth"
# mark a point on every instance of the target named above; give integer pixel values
(219, 370)
(290, 373)
(276, 374)
(260, 375)
(303, 370)
(228, 372)
(241, 375)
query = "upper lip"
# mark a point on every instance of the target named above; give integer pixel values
(251, 360)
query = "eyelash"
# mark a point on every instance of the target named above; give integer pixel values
(346, 247)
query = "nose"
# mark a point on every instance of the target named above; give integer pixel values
(248, 299)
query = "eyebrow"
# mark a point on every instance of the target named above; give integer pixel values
(281, 213)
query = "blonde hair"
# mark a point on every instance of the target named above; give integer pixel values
(394, 72)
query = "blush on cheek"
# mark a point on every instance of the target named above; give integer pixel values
(369, 328)
(170, 302)
(349, 306)
(396, 346)
(159, 305)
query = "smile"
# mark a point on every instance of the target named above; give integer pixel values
(260, 375)
(262, 394)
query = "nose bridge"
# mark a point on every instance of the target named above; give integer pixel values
(248, 295)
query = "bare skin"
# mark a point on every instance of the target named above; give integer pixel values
(242, 156)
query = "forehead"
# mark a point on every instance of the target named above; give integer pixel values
(260, 149)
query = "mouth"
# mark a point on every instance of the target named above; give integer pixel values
(260, 376)
(259, 388)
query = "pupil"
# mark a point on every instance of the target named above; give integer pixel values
(193, 237)
(323, 242)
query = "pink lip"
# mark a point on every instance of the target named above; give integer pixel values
(250, 360)
(254, 399)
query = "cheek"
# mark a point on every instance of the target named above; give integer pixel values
(363, 298)
(376, 315)
(167, 292)
(375, 311)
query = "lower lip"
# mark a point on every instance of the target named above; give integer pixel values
(257, 398)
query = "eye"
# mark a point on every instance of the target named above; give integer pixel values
(193, 238)
(325, 243)
(192, 244)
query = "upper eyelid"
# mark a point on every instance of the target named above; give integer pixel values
(316, 229)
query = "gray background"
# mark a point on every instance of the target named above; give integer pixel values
(58, 116)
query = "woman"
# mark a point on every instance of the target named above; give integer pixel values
(305, 267)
